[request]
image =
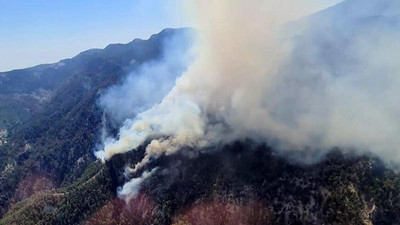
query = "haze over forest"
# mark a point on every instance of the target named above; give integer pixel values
(258, 112)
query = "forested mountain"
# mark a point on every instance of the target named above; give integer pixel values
(51, 117)
(51, 122)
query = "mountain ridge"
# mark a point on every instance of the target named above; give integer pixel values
(55, 141)
(49, 175)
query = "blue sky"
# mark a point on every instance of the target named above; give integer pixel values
(45, 31)
(34, 32)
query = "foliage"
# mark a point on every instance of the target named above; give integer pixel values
(67, 205)
(238, 183)
(52, 114)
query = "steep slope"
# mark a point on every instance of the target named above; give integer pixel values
(241, 183)
(33, 87)
(245, 182)
(56, 141)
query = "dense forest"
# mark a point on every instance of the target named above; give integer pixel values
(50, 125)
(48, 135)
(241, 183)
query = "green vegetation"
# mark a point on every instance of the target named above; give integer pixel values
(67, 205)
(53, 122)
(48, 174)
(241, 182)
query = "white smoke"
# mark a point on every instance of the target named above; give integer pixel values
(131, 188)
(239, 57)
(340, 85)
(146, 86)
(149, 83)
(333, 81)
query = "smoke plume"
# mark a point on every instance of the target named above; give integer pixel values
(131, 188)
(147, 85)
(270, 71)
(150, 82)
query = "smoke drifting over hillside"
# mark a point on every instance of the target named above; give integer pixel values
(149, 83)
(319, 82)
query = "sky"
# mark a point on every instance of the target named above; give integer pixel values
(46, 31)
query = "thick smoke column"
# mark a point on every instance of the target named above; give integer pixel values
(239, 57)
(147, 85)
(332, 81)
